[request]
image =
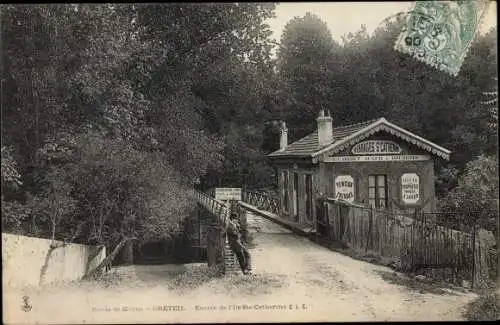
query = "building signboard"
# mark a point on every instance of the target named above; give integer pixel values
(410, 188)
(378, 158)
(373, 147)
(344, 188)
(226, 194)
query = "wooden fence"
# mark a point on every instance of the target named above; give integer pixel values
(262, 201)
(417, 241)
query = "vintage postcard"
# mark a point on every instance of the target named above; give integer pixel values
(249, 162)
(441, 32)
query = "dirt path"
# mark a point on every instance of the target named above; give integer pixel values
(294, 279)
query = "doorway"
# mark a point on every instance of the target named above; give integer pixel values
(296, 196)
(309, 199)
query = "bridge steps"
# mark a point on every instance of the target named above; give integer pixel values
(231, 265)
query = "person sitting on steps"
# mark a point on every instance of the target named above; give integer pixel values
(236, 245)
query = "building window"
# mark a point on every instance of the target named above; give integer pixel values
(377, 191)
(309, 202)
(296, 195)
(285, 191)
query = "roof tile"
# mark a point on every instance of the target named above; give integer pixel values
(309, 144)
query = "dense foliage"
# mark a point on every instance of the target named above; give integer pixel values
(111, 113)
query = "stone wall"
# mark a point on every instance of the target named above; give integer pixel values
(216, 247)
(23, 258)
(231, 265)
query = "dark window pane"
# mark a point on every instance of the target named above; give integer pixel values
(309, 196)
(296, 193)
(286, 189)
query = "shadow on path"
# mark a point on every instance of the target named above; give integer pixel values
(419, 286)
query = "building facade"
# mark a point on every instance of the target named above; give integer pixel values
(374, 163)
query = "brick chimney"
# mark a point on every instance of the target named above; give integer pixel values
(283, 136)
(325, 129)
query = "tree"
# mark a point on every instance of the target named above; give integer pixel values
(491, 105)
(125, 194)
(476, 195)
(14, 212)
(77, 79)
(306, 49)
(212, 76)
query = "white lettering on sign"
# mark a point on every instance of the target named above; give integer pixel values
(344, 188)
(378, 158)
(227, 193)
(374, 147)
(410, 188)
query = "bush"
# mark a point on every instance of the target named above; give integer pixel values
(484, 308)
(476, 196)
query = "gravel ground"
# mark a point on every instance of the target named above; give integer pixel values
(294, 280)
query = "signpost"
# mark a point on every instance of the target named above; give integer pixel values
(227, 194)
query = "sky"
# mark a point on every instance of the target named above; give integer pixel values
(345, 17)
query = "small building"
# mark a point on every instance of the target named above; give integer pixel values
(374, 163)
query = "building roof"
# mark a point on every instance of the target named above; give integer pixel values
(344, 136)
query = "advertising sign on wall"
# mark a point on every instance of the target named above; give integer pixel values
(344, 188)
(373, 147)
(378, 158)
(410, 188)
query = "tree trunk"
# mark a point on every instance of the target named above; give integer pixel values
(43, 271)
(53, 246)
(128, 253)
(45, 266)
(96, 271)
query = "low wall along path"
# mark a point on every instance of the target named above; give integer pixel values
(23, 258)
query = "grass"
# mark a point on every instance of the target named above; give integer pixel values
(253, 285)
(361, 256)
(484, 308)
(194, 277)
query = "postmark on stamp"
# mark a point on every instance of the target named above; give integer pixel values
(439, 33)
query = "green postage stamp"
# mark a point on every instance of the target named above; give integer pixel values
(439, 33)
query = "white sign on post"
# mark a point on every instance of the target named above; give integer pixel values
(410, 188)
(344, 188)
(227, 193)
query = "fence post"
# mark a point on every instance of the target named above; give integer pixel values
(473, 285)
(370, 225)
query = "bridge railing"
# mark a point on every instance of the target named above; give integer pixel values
(262, 201)
(216, 207)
